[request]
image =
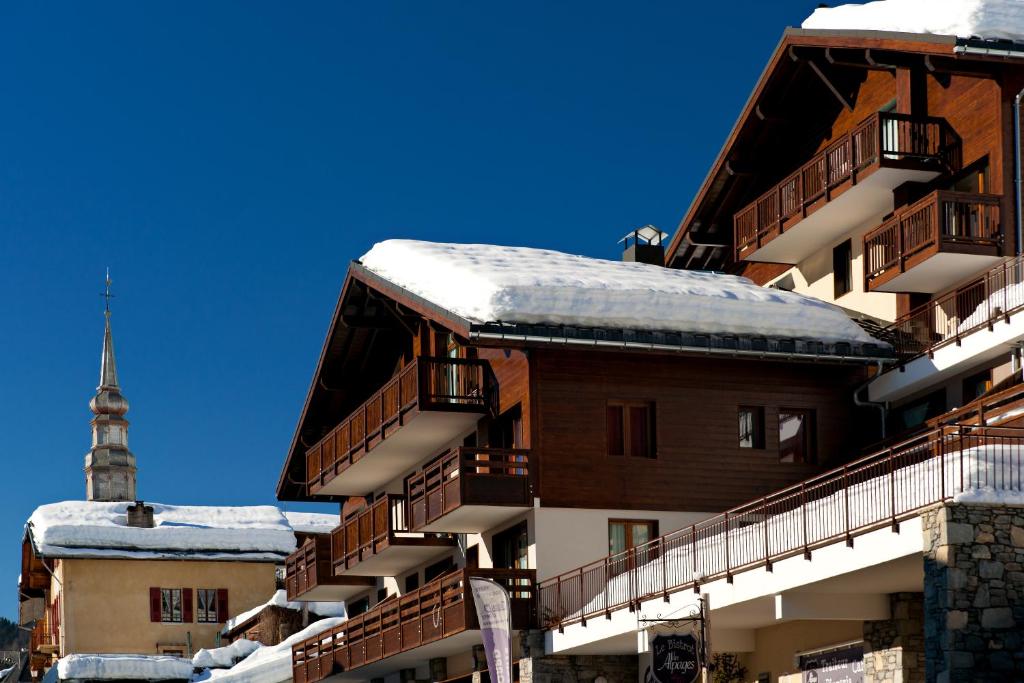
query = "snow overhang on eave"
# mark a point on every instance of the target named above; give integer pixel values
(523, 334)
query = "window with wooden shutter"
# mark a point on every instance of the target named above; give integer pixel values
(154, 604)
(171, 604)
(631, 429)
(207, 611)
(222, 604)
(186, 605)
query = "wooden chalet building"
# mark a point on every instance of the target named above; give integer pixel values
(456, 444)
(875, 170)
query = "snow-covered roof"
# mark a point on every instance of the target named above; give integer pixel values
(483, 283)
(271, 664)
(312, 522)
(990, 19)
(224, 657)
(94, 529)
(109, 667)
(280, 599)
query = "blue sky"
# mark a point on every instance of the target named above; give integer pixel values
(228, 159)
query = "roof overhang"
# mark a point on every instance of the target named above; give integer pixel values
(878, 50)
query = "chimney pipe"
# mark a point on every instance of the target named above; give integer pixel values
(140, 515)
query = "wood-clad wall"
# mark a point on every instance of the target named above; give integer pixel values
(699, 465)
(512, 374)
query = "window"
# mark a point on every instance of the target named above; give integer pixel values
(170, 605)
(796, 435)
(437, 569)
(915, 413)
(751, 424)
(357, 607)
(977, 385)
(842, 268)
(511, 548)
(212, 605)
(629, 533)
(412, 582)
(507, 429)
(624, 534)
(630, 429)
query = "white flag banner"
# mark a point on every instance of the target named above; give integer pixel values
(494, 612)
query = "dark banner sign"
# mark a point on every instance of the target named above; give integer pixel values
(675, 658)
(842, 665)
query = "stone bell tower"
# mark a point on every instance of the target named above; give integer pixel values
(109, 465)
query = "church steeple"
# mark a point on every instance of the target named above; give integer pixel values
(109, 465)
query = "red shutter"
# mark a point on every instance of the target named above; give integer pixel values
(186, 605)
(154, 604)
(222, 604)
(614, 427)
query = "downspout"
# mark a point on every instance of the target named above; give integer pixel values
(1017, 173)
(864, 403)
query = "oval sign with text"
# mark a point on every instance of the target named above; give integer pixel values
(675, 658)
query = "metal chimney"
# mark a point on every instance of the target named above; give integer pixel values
(644, 245)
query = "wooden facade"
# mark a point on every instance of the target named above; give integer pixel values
(699, 464)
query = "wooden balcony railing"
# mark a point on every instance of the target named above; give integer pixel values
(872, 493)
(950, 317)
(470, 476)
(308, 566)
(438, 610)
(884, 138)
(426, 384)
(374, 529)
(943, 221)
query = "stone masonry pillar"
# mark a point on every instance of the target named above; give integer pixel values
(974, 593)
(894, 648)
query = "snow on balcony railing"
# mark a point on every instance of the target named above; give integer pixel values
(947, 319)
(961, 463)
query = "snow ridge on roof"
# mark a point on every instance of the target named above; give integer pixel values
(312, 522)
(991, 19)
(485, 283)
(280, 599)
(269, 664)
(109, 667)
(95, 529)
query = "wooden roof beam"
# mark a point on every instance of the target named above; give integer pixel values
(828, 79)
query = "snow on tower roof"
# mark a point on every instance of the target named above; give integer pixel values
(98, 529)
(484, 283)
(991, 19)
(312, 522)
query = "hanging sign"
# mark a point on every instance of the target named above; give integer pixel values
(675, 658)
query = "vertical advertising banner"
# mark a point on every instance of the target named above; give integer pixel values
(494, 612)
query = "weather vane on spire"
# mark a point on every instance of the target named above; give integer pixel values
(107, 296)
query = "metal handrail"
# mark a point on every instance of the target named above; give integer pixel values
(874, 492)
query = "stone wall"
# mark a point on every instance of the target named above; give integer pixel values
(894, 648)
(536, 667)
(974, 593)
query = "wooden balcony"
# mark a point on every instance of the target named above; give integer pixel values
(309, 574)
(437, 620)
(470, 490)
(847, 184)
(933, 243)
(426, 405)
(377, 541)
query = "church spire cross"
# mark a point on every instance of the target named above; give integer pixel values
(107, 296)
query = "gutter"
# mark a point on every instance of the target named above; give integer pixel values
(732, 353)
(882, 406)
(1017, 172)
